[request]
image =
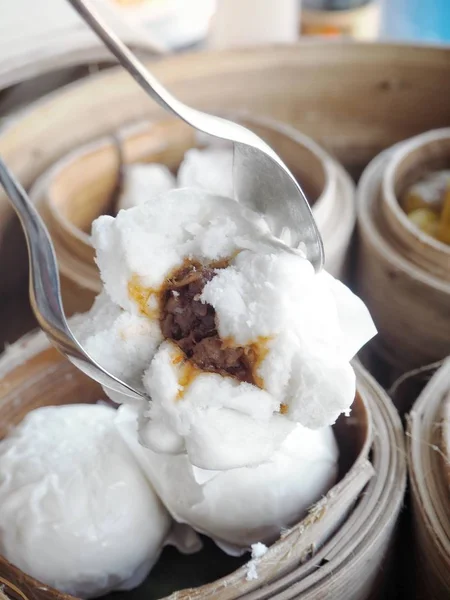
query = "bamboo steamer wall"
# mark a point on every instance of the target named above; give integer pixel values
(403, 274)
(428, 461)
(354, 99)
(86, 183)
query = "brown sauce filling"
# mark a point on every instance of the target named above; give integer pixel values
(191, 324)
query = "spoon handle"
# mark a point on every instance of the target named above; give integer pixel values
(209, 124)
(45, 295)
(260, 176)
(125, 57)
(45, 290)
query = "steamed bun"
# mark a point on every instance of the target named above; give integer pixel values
(76, 511)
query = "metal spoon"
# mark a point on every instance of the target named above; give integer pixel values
(45, 290)
(261, 179)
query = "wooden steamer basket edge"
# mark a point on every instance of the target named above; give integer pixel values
(429, 470)
(321, 557)
(79, 188)
(354, 99)
(408, 164)
(410, 304)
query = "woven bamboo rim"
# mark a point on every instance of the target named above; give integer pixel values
(325, 551)
(355, 564)
(79, 187)
(428, 462)
(409, 162)
(446, 436)
(409, 304)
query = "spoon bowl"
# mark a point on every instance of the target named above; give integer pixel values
(261, 179)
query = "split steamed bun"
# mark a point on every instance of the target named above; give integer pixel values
(125, 342)
(266, 306)
(76, 511)
(241, 507)
(140, 247)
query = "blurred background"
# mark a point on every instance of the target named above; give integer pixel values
(44, 44)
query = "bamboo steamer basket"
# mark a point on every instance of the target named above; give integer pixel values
(428, 462)
(84, 185)
(446, 436)
(409, 163)
(353, 99)
(340, 550)
(406, 289)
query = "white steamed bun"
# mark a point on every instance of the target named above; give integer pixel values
(76, 511)
(305, 327)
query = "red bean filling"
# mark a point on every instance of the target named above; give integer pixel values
(191, 324)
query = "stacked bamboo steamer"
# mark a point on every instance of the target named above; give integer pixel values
(85, 184)
(428, 446)
(350, 98)
(340, 550)
(403, 274)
